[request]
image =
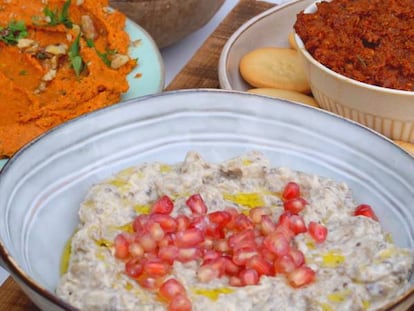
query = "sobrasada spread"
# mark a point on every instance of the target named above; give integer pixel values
(58, 60)
(371, 41)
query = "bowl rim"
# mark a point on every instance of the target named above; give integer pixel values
(308, 56)
(20, 276)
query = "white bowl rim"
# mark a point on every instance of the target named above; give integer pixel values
(311, 9)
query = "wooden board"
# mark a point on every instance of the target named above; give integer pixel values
(199, 72)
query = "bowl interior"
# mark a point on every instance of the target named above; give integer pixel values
(43, 184)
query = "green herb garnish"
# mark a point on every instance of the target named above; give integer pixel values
(76, 60)
(103, 56)
(13, 32)
(57, 17)
(22, 72)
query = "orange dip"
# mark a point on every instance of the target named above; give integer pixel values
(66, 58)
(371, 41)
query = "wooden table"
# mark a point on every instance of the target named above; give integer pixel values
(199, 72)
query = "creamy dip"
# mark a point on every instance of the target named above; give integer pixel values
(357, 267)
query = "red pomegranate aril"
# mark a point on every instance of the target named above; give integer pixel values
(249, 277)
(317, 231)
(256, 213)
(242, 222)
(168, 253)
(164, 205)
(121, 246)
(136, 250)
(207, 273)
(147, 242)
(149, 283)
(183, 222)
(139, 223)
(156, 268)
(235, 281)
(230, 268)
(284, 230)
(215, 232)
(267, 254)
(155, 231)
(297, 224)
(267, 225)
(208, 243)
(277, 243)
(241, 256)
(199, 222)
(297, 256)
(188, 238)
(180, 303)
(170, 289)
(167, 223)
(365, 210)
(188, 254)
(221, 218)
(295, 206)
(301, 276)
(167, 240)
(196, 204)
(261, 265)
(291, 191)
(284, 264)
(233, 213)
(242, 239)
(222, 246)
(210, 254)
(134, 268)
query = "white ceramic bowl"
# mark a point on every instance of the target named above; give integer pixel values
(388, 111)
(42, 186)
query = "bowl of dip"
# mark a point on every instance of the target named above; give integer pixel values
(209, 151)
(356, 66)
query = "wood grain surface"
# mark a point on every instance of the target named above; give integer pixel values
(199, 72)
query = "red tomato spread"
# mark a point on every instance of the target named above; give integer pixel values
(371, 41)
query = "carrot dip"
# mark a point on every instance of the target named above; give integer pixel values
(58, 60)
(371, 41)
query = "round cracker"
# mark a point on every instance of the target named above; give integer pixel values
(409, 147)
(278, 68)
(292, 42)
(286, 94)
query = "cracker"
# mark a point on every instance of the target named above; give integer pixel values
(286, 94)
(279, 68)
(409, 147)
(292, 42)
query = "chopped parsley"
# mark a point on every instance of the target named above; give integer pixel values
(76, 60)
(103, 56)
(14, 31)
(57, 17)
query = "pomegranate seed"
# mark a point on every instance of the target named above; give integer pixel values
(156, 268)
(301, 276)
(196, 204)
(168, 253)
(133, 268)
(297, 224)
(222, 246)
(182, 222)
(180, 303)
(199, 222)
(259, 264)
(256, 214)
(163, 205)
(365, 210)
(188, 254)
(295, 205)
(242, 222)
(317, 231)
(230, 268)
(211, 254)
(167, 240)
(207, 273)
(121, 246)
(149, 283)
(242, 239)
(167, 223)
(267, 225)
(170, 289)
(220, 218)
(215, 232)
(219, 264)
(267, 254)
(249, 277)
(233, 213)
(188, 238)
(147, 242)
(297, 256)
(291, 191)
(155, 231)
(284, 264)
(241, 256)
(139, 223)
(136, 250)
(277, 243)
(235, 281)
(208, 243)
